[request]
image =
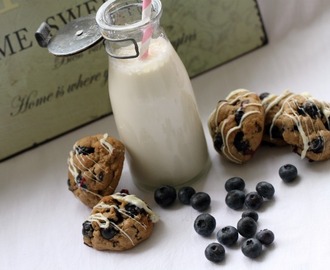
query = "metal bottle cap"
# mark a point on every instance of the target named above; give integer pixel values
(76, 36)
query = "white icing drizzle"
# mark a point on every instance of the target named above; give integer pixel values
(100, 219)
(72, 168)
(240, 92)
(230, 155)
(105, 144)
(132, 199)
(295, 118)
(272, 100)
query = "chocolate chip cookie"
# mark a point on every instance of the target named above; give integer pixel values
(237, 124)
(95, 167)
(118, 222)
(305, 126)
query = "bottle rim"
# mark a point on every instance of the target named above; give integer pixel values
(105, 26)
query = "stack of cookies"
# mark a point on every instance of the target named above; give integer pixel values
(118, 221)
(240, 123)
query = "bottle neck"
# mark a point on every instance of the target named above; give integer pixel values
(121, 24)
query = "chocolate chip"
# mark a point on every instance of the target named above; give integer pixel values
(81, 182)
(263, 95)
(301, 111)
(133, 210)
(69, 185)
(326, 124)
(276, 132)
(218, 142)
(119, 217)
(240, 144)
(108, 233)
(87, 229)
(100, 176)
(238, 116)
(84, 150)
(317, 145)
(311, 109)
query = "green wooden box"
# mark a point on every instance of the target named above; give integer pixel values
(43, 96)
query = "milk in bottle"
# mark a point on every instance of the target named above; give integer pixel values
(156, 114)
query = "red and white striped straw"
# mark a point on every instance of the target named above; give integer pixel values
(147, 33)
(146, 9)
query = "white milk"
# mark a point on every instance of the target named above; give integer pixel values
(157, 117)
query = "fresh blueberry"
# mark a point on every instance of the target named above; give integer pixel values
(165, 195)
(205, 224)
(247, 227)
(200, 201)
(251, 213)
(235, 199)
(253, 201)
(265, 236)
(87, 229)
(215, 252)
(265, 190)
(108, 233)
(234, 183)
(288, 173)
(252, 248)
(227, 235)
(185, 193)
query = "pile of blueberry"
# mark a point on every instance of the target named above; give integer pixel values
(166, 196)
(228, 236)
(236, 199)
(246, 227)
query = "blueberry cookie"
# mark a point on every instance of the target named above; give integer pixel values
(95, 166)
(305, 126)
(236, 125)
(273, 129)
(118, 222)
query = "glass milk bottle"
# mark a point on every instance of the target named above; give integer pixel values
(152, 98)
